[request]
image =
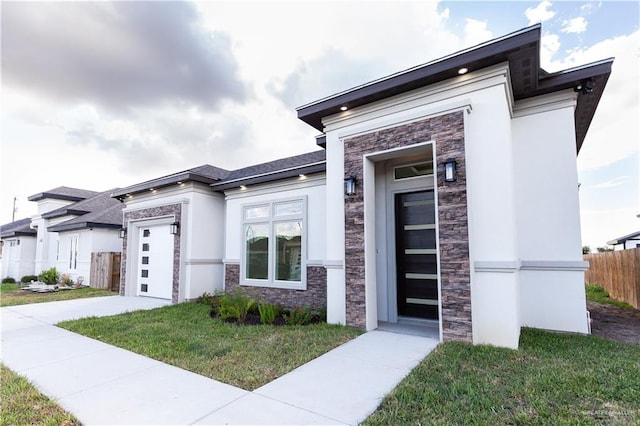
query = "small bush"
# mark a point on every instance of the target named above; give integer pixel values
(8, 280)
(299, 316)
(50, 276)
(235, 305)
(268, 312)
(28, 278)
(66, 280)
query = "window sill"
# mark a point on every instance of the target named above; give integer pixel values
(277, 284)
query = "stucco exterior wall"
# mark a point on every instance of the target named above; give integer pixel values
(19, 260)
(548, 219)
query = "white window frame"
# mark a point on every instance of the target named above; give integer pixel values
(73, 255)
(272, 220)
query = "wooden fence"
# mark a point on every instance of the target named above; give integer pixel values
(105, 270)
(618, 272)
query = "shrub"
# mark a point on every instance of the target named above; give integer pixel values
(268, 312)
(8, 280)
(28, 278)
(299, 316)
(66, 280)
(235, 305)
(50, 276)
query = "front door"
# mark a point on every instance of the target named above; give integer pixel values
(416, 259)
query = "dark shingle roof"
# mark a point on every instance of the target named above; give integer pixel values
(99, 211)
(206, 174)
(520, 49)
(63, 193)
(311, 162)
(18, 228)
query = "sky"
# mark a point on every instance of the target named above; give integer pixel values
(99, 95)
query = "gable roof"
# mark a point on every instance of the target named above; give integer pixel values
(99, 211)
(63, 193)
(18, 228)
(206, 174)
(311, 162)
(621, 240)
(521, 49)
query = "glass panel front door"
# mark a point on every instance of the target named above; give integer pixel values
(416, 258)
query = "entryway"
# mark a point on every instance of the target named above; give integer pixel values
(408, 292)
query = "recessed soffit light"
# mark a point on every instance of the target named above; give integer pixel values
(343, 108)
(463, 70)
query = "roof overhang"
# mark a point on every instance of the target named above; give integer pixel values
(13, 234)
(63, 212)
(306, 169)
(163, 182)
(520, 49)
(54, 196)
(81, 225)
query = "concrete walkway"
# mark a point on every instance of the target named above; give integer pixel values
(102, 384)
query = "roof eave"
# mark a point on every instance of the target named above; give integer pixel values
(271, 177)
(82, 225)
(163, 183)
(489, 53)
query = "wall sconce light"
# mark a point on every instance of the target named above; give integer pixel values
(123, 232)
(350, 185)
(174, 228)
(450, 171)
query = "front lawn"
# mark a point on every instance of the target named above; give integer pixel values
(185, 336)
(11, 295)
(23, 404)
(552, 379)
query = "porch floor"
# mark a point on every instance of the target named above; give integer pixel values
(424, 329)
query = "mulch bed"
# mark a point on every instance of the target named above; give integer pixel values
(614, 323)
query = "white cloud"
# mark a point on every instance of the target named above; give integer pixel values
(476, 32)
(600, 226)
(574, 26)
(540, 13)
(549, 46)
(611, 183)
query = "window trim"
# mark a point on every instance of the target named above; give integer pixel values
(272, 220)
(73, 255)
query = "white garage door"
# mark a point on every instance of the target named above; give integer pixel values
(155, 262)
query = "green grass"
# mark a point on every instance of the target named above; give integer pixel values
(23, 404)
(11, 295)
(552, 379)
(185, 336)
(597, 294)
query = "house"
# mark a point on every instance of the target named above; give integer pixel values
(71, 224)
(18, 248)
(444, 196)
(630, 241)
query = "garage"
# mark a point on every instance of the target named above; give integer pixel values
(155, 261)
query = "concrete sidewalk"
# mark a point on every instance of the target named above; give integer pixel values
(102, 384)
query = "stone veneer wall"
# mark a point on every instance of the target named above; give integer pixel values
(315, 296)
(171, 209)
(448, 133)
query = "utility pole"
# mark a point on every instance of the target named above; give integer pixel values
(13, 214)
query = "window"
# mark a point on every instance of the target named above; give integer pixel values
(413, 170)
(73, 252)
(273, 249)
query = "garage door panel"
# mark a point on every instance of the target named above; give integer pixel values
(155, 262)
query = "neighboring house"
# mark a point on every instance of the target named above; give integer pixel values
(18, 249)
(71, 224)
(630, 241)
(446, 195)
(88, 226)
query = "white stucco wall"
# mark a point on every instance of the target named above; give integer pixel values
(19, 260)
(548, 214)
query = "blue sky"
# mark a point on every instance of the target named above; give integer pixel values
(103, 95)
